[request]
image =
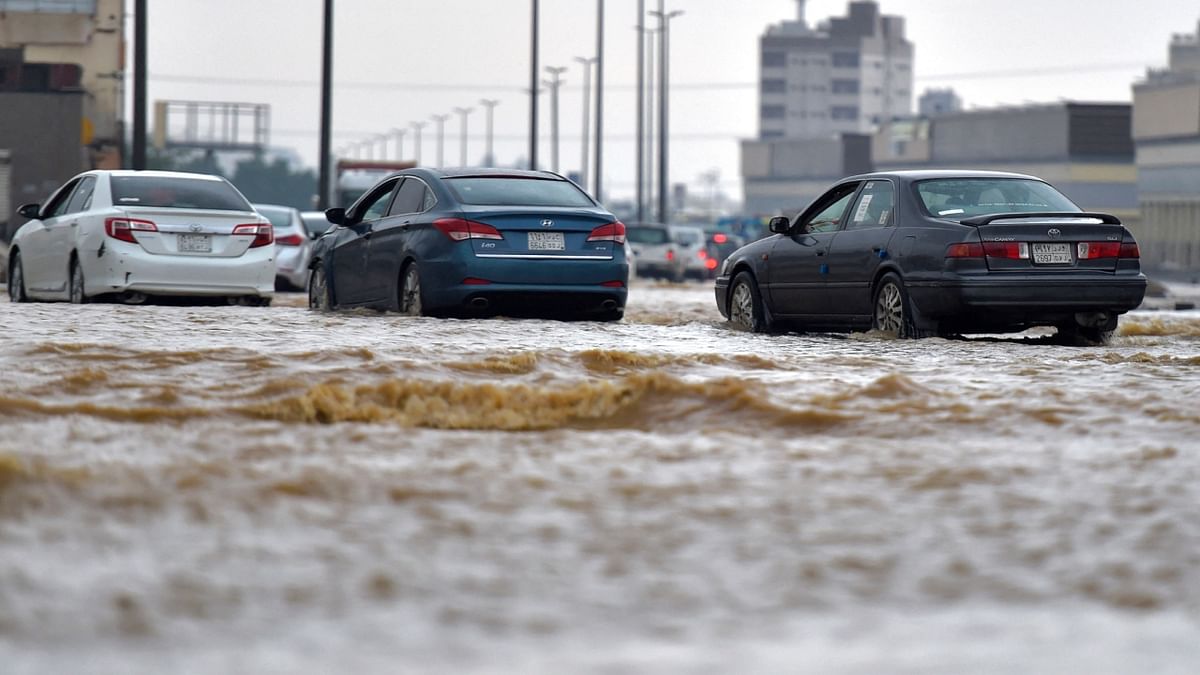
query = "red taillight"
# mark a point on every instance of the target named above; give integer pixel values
(702, 254)
(290, 240)
(614, 232)
(123, 228)
(1130, 249)
(720, 238)
(263, 233)
(613, 284)
(1090, 250)
(472, 281)
(711, 263)
(461, 229)
(964, 251)
(1009, 250)
(670, 254)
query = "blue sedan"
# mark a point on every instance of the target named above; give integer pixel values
(473, 242)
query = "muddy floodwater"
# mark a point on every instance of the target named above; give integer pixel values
(270, 490)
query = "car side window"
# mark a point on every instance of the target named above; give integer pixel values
(829, 214)
(875, 206)
(376, 204)
(81, 199)
(410, 198)
(60, 201)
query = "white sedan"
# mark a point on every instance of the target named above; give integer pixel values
(134, 234)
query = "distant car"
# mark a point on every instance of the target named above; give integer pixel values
(135, 234)
(656, 253)
(316, 222)
(474, 241)
(293, 245)
(692, 247)
(721, 244)
(922, 253)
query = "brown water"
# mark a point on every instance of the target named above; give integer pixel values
(241, 490)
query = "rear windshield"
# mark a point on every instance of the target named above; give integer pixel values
(177, 193)
(646, 235)
(687, 237)
(281, 219)
(965, 197)
(513, 191)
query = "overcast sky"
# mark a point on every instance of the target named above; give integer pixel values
(397, 61)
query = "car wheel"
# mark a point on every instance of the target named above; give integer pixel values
(78, 297)
(320, 297)
(1081, 336)
(16, 280)
(893, 313)
(745, 304)
(410, 291)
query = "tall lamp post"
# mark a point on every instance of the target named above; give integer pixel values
(641, 113)
(398, 134)
(489, 158)
(462, 134)
(417, 127)
(139, 85)
(554, 83)
(587, 124)
(533, 90)
(441, 138)
(325, 168)
(664, 22)
(599, 171)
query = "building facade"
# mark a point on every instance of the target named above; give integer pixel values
(1166, 129)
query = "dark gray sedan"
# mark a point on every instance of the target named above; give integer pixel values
(926, 253)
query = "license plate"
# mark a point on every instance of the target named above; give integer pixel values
(195, 243)
(1052, 254)
(547, 241)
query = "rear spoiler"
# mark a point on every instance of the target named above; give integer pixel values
(978, 221)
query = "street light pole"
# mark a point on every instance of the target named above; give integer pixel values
(489, 159)
(441, 138)
(641, 112)
(533, 90)
(325, 168)
(664, 19)
(139, 86)
(462, 134)
(599, 172)
(417, 127)
(587, 124)
(554, 83)
(398, 134)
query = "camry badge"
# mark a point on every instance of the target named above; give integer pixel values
(547, 223)
(194, 227)
(1054, 233)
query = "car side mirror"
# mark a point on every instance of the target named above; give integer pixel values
(314, 235)
(336, 215)
(779, 225)
(30, 211)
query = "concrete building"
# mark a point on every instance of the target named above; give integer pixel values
(783, 176)
(1083, 149)
(936, 102)
(1166, 129)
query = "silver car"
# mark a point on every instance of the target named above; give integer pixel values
(293, 246)
(691, 245)
(655, 252)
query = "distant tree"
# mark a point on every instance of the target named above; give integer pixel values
(183, 160)
(275, 182)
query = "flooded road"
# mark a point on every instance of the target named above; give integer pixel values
(244, 490)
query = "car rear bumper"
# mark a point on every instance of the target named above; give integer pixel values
(541, 286)
(291, 264)
(1032, 297)
(117, 271)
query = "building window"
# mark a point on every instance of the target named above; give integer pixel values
(771, 133)
(845, 59)
(844, 112)
(774, 59)
(772, 112)
(774, 86)
(845, 86)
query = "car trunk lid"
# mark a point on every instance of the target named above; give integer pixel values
(193, 232)
(1050, 242)
(543, 232)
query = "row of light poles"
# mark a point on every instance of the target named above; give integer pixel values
(365, 149)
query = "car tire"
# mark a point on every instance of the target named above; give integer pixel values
(408, 291)
(745, 304)
(611, 315)
(1085, 336)
(320, 295)
(892, 311)
(16, 280)
(78, 296)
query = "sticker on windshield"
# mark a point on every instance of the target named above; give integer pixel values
(950, 212)
(884, 216)
(861, 214)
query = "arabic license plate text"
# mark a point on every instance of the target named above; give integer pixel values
(547, 241)
(195, 243)
(1052, 254)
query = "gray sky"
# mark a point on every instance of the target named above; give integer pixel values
(397, 61)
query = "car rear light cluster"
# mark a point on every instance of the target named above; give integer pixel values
(670, 255)
(1019, 250)
(290, 240)
(710, 263)
(263, 233)
(1091, 250)
(461, 229)
(123, 228)
(720, 238)
(614, 232)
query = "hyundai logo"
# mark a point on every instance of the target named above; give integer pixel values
(547, 223)
(1054, 233)
(194, 227)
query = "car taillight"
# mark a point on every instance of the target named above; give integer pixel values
(720, 238)
(1130, 249)
(263, 233)
(1010, 250)
(711, 263)
(475, 281)
(123, 228)
(964, 251)
(614, 232)
(613, 284)
(461, 229)
(290, 240)
(1090, 250)
(670, 255)
(702, 254)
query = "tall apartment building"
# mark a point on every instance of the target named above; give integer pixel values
(822, 91)
(844, 76)
(1166, 130)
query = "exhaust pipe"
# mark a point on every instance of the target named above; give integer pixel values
(608, 305)
(479, 303)
(131, 298)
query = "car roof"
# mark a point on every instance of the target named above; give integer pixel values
(913, 175)
(478, 172)
(124, 173)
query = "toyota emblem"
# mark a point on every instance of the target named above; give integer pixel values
(1054, 233)
(194, 227)
(547, 223)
